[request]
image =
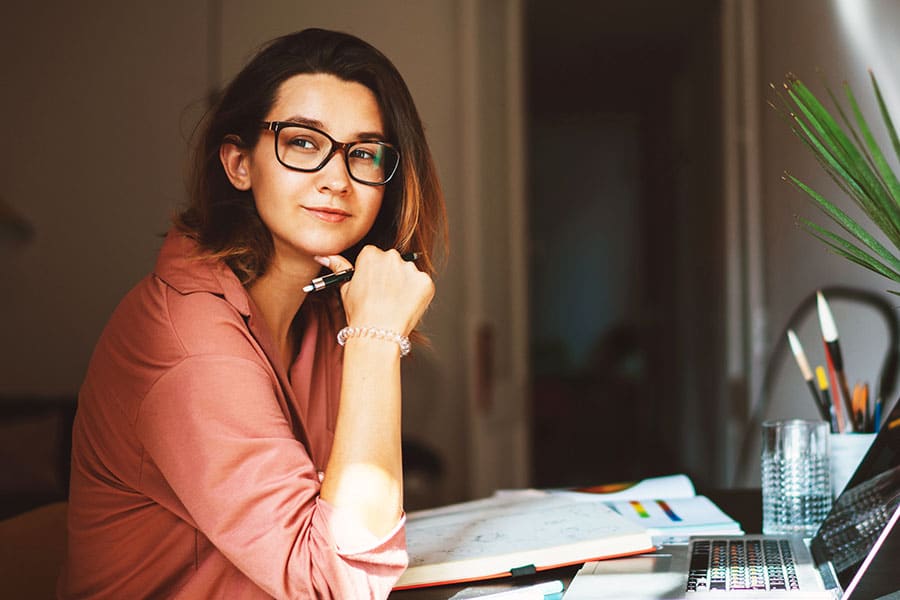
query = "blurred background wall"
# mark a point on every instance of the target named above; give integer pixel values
(624, 253)
(821, 42)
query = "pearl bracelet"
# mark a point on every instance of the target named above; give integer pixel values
(378, 334)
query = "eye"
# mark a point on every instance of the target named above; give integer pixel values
(302, 142)
(363, 153)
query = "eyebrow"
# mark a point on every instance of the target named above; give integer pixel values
(362, 135)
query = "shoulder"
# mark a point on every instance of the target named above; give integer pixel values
(204, 322)
(189, 304)
(198, 297)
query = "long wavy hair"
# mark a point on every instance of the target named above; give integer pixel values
(224, 220)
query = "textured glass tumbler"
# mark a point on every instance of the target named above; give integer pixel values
(796, 478)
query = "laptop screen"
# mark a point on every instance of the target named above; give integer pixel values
(865, 506)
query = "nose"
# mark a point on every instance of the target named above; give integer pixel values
(333, 176)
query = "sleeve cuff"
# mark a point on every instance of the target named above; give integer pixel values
(351, 536)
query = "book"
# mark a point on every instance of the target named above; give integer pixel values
(668, 507)
(669, 486)
(513, 533)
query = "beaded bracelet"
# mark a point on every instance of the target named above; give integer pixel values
(378, 334)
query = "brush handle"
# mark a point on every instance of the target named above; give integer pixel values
(849, 425)
(834, 348)
(823, 410)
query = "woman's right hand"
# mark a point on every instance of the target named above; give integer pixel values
(386, 291)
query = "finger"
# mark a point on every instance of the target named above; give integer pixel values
(335, 262)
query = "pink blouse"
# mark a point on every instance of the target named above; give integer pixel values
(196, 460)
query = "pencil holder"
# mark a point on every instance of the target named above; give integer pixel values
(847, 450)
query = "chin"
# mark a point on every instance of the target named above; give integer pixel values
(326, 249)
(309, 246)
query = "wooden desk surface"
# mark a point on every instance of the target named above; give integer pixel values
(743, 505)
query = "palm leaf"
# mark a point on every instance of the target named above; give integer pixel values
(849, 163)
(885, 115)
(857, 165)
(837, 155)
(888, 202)
(848, 250)
(848, 224)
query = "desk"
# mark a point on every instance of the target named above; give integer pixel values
(743, 505)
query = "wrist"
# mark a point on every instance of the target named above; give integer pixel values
(375, 333)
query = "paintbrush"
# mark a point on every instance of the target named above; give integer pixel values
(833, 352)
(800, 357)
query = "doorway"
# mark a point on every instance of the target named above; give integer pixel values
(626, 273)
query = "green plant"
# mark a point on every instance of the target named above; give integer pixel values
(857, 165)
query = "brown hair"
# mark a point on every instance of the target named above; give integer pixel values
(224, 220)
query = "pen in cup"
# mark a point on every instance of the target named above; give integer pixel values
(326, 281)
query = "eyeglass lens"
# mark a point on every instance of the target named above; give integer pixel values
(302, 148)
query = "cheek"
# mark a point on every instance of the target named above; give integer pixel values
(373, 206)
(272, 193)
(265, 208)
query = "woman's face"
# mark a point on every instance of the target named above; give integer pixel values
(326, 211)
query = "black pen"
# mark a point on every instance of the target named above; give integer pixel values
(326, 281)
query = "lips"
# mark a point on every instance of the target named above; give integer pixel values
(327, 214)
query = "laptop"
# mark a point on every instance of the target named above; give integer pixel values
(854, 554)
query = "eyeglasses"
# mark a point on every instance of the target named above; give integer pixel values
(307, 149)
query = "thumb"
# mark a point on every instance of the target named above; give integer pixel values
(335, 262)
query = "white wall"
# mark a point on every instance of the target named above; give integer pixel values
(97, 101)
(804, 37)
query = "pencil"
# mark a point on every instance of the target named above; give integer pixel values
(866, 412)
(876, 416)
(826, 399)
(856, 405)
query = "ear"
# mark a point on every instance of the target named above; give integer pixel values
(235, 160)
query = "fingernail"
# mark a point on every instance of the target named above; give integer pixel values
(322, 260)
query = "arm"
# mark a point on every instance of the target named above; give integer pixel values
(364, 476)
(213, 428)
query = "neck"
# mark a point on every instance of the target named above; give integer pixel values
(279, 295)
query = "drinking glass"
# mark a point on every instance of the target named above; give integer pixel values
(796, 481)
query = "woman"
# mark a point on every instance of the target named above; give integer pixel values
(226, 445)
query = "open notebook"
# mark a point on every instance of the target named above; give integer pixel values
(513, 534)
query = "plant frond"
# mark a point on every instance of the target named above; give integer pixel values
(848, 250)
(848, 224)
(839, 156)
(856, 164)
(888, 203)
(885, 115)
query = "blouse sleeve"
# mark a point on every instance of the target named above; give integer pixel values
(214, 430)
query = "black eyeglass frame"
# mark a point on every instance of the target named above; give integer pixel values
(344, 147)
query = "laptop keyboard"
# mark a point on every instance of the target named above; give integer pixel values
(742, 565)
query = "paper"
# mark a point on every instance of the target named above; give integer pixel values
(677, 516)
(592, 583)
(666, 486)
(538, 591)
(666, 506)
(490, 537)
